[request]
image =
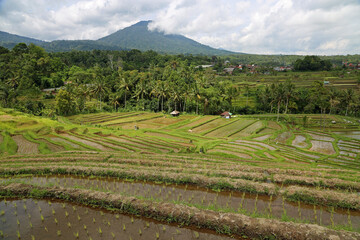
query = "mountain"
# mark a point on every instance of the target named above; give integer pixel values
(9, 40)
(136, 36)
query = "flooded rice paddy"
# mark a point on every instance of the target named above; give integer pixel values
(251, 204)
(44, 219)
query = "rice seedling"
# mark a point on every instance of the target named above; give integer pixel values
(157, 235)
(56, 221)
(1, 233)
(76, 235)
(315, 215)
(196, 234)
(32, 237)
(42, 218)
(58, 232)
(100, 231)
(69, 225)
(299, 209)
(113, 235)
(124, 227)
(140, 232)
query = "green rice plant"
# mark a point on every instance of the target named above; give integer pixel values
(99, 230)
(113, 235)
(163, 228)
(147, 224)
(124, 227)
(299, 209)
(18, 222)
(332, 217)
(94, 221)
(78, 218)
(197, 235)
(1, 233)
(53, 211)
(315, 214)
(85, 227)
(2, 212)
(58, 232)
(32, 237)
(140, 232)
(56, 221)
(255, 207)
(69, 225)
(157, 235)
(30, 224)
(18, 234)
(42, 218)
(132, 219)
(349, 219)
(76, 235)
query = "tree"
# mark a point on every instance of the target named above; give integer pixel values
(99, 89)
(289, 88)
(125, 83)
(65, 103)
(348, 98)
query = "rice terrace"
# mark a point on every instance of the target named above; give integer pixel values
(95, 176)
(179, 120)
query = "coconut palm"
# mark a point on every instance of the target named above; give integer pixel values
(99, 89)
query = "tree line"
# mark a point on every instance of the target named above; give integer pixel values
(133, 80)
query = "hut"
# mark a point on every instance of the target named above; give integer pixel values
(226, 115)
(175, 113)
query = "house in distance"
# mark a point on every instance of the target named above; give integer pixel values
(226, 115)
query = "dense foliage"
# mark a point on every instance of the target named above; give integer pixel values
(134, 80)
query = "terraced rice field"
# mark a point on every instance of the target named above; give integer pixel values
(189, 177)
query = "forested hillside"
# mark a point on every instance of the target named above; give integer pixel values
(67, 83)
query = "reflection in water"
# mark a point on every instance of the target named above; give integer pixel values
(251, 204)
(42, 219)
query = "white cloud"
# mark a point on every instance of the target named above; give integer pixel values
(261, 26)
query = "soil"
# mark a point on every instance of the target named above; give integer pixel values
(322, 147)
(25, 146)
(299, 141)
(321, 137)
(53, 147)
(281, 138)
(262, 138)
(86, 142)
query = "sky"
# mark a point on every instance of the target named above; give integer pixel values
(322, 27)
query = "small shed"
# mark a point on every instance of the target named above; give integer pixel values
(175, 113)
(226, 115)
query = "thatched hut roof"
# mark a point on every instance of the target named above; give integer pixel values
(175, 113)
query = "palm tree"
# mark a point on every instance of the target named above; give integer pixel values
(141, 89)
(279, 97)
(114, 100)
(333, 98)
(99, 88)
(348, 98)
(124, 83)
(289, 88)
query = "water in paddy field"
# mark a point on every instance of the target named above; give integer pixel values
(350, 134)
(252, 204)
(44, 219)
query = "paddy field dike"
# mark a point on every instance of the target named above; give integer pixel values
(145, 175)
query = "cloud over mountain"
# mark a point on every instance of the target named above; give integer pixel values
(263, 26)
